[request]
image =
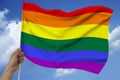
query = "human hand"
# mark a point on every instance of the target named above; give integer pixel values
(16, 58)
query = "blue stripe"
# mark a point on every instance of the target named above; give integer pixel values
(74, 56)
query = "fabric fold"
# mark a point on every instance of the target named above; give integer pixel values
(58, 39)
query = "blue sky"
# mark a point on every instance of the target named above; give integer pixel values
(10, 20)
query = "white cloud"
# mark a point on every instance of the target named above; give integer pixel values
(63, 72)
(3, 22)
(115, 40)
(3, 13)
(9, 36)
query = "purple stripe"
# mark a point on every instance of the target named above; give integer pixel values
(88, 66)
(73, 56)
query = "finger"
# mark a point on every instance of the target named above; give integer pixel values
(21, 54)
(21, 58)
(21, 61)
(17, 51)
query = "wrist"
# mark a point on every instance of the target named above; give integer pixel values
(10, 69)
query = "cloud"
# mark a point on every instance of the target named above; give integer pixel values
(115, 40)
(3, 22)
(9, 36)
(63, 72)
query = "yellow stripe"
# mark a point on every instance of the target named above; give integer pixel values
(91, 30)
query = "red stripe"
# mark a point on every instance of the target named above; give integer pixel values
(56, 12)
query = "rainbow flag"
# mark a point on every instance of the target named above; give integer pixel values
(58, 39)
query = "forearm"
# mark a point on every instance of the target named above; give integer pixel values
(16, 58)
(8, 73)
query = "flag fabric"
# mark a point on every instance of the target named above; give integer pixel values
(58, 39)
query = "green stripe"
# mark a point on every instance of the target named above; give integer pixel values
(88, 43)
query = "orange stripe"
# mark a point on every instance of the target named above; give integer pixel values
(101, 18)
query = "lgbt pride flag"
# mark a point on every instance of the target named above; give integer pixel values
(57, 39)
